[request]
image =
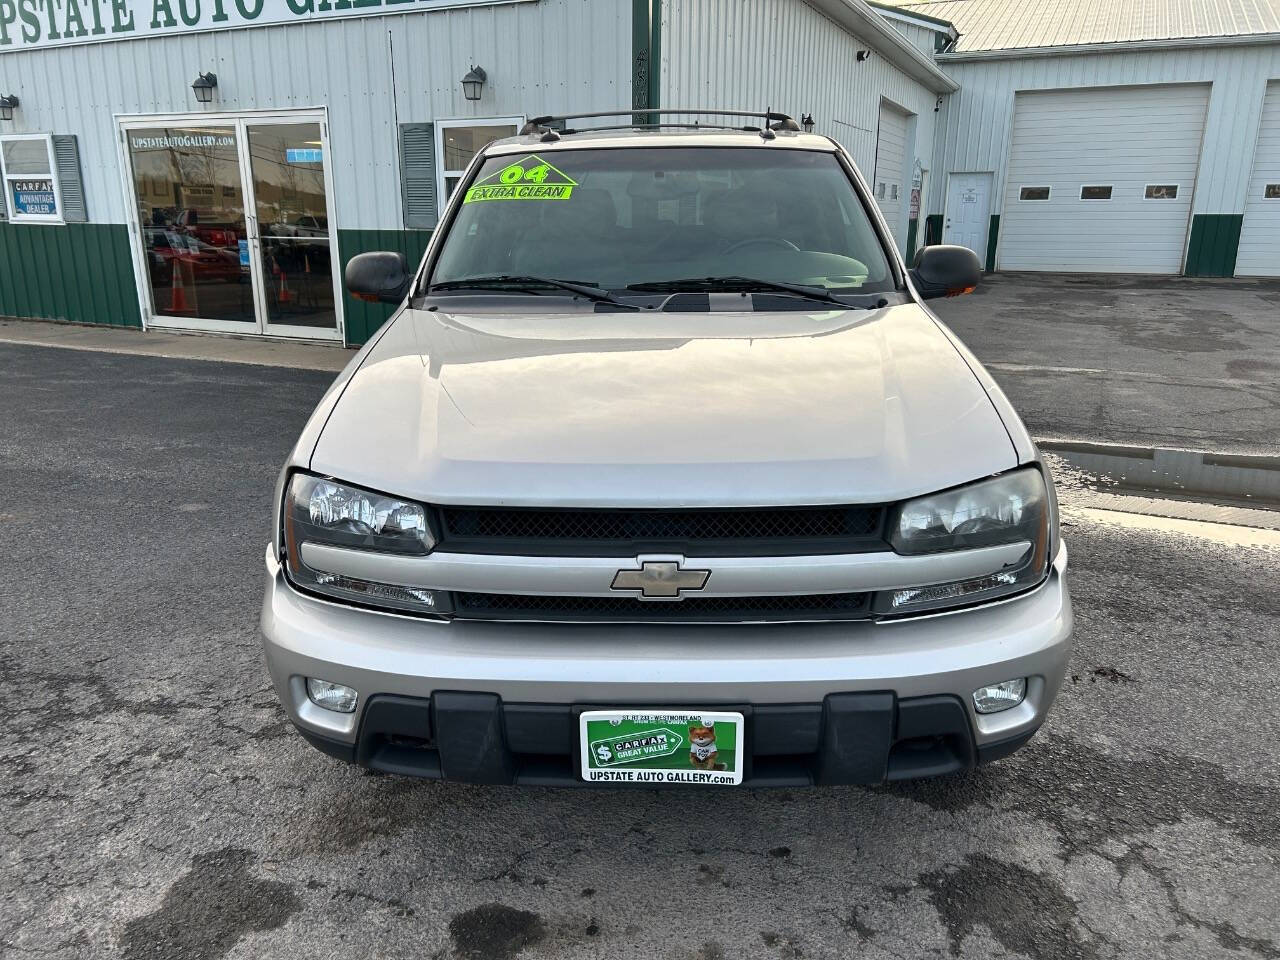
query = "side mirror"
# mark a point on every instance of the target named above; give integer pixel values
(944, 270)
(378, 277)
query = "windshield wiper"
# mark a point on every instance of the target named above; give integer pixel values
(736, 285)
(529, 284)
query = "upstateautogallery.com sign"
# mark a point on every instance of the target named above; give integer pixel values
(31, 24)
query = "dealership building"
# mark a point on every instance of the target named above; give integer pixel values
(210, 165)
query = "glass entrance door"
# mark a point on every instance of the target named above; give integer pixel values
(289, 228)
(233, 225)
(191, 220)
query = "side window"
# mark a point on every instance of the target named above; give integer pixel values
(1161, 191)
(1095, 193)
(1033, 193)
(1271, 191)
(458, 141)
(32, 193)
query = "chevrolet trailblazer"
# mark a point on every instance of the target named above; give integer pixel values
(662, 473)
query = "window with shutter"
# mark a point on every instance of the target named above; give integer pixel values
(32, 192)
(457, 143)
(418, 174)
(66, 157)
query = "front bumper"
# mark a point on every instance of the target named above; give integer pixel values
(852, 702)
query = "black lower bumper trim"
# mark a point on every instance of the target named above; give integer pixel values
(1002, 748)
(849, 738)
(334, 748)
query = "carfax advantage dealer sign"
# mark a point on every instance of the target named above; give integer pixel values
(31, 24)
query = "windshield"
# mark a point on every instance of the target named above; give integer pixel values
(627, 218)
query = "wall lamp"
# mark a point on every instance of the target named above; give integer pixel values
(6, 106)
(203, 86)
(806, 121)
(472, 83)
(863, 55)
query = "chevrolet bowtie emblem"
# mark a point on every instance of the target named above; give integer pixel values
(660, 579)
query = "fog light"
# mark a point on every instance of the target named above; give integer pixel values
(1000, 696)
(334, 696)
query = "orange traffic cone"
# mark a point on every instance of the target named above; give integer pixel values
(178, 295)
(285, 296)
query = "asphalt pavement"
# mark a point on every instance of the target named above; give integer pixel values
(157, 804)
(1157, 361)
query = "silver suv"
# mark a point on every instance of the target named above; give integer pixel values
(662, 473)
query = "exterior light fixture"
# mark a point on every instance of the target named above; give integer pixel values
(203, 86)
(6, 106)
(472, 83)
(863, 55)
(806, 121)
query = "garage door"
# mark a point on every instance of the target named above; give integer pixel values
(1259, 254)
(1100, 180)
(890, 179)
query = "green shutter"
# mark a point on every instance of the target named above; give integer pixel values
(66, 157)
(418, 174)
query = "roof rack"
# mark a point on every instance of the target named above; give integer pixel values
(772, 122)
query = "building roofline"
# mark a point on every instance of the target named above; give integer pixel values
(860, 19)
(923, 19)
(1116, 46)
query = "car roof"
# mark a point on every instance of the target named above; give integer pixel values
(634, 137)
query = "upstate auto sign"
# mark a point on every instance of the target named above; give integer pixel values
(30, 24)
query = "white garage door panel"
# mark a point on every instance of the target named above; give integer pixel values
(1124, 138)
(889, 182)
(1259, 254)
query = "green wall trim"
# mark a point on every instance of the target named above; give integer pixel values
(82, 272)
(932, 229)
(1215, 241)
(912, 226)
(362, 318)
(646, 54)
(993, 234)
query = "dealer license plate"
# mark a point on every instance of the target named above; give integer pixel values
(694, 747)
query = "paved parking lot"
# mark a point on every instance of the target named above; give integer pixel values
(157, 804)
(1158, 361)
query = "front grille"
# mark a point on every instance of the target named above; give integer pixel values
(507, 606)
(704, 531)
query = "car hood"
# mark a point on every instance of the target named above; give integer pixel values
(663, 409)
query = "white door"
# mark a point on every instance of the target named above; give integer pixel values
(1100, 179)
(967, 220)
(1259, 254)
(890, 180)
(231, 223)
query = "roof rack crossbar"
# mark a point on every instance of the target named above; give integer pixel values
(774, 120)
(569, 131)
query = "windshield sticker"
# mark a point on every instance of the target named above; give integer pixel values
(529, 179)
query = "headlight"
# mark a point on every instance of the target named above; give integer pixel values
(317, 510)
(1012, 508)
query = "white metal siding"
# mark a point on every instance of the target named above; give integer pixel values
(785, 54)
(346, 65)
(1259, 254)
(973, 134)
(1122, 138)
(889, 181)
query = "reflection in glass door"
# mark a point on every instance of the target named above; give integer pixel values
(290, 229)
(191, 217)
(233, 224)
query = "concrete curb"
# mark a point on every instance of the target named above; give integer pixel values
(175, 346)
